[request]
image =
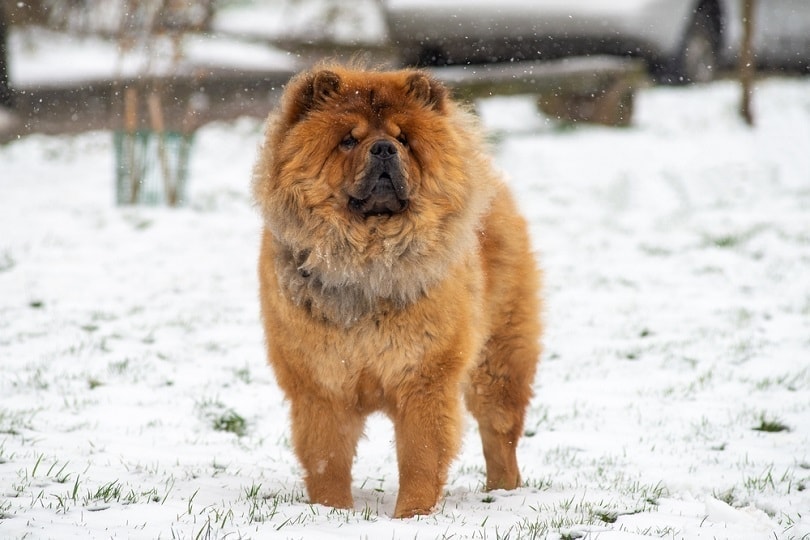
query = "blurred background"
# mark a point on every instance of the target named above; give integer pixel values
(63, 63)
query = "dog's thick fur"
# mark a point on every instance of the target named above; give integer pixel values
(396, 276)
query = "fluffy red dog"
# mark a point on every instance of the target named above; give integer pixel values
(396, 276)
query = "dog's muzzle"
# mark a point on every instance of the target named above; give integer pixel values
(383, 190)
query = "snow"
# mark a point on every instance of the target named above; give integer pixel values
(677, 312)
(43, 57)
(304, 20)
(89, 58)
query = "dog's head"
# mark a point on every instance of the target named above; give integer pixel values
(363, 137)
(370, 175)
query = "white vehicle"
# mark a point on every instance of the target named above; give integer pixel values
(682, 40)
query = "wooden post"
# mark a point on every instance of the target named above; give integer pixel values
(6, 98)
(159, 129)
(129, 142)
(747, 67)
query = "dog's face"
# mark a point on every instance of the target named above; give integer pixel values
(365, 147)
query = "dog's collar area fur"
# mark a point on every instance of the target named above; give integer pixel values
(333, 286)
(342, 304)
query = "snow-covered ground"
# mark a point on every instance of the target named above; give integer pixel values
(677, 260)
(43, 57)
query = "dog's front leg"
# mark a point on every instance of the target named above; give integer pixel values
(325, 434)
(427, 424)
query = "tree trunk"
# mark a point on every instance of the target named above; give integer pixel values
(5, 91)
(747, 67)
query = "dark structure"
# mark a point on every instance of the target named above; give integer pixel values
(5, 92)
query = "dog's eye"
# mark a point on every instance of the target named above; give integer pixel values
(348, 142)
(403, 139)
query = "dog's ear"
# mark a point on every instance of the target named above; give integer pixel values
(310, 90)
(428, 91)
(325, 84)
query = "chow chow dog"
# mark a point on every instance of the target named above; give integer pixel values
(396, 275)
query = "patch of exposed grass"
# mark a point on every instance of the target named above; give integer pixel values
(222, 418)
(7, 262)
(243, 374)
(767, 425)
(45, 476)
(11, 422)
(5, 510)
(5, 457)
(791, 382)
(119, 367)
(541, 484)
(733, 240)
(726, 240)
(231, 422)
(607, 517)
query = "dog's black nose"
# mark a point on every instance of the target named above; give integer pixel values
(383, 149)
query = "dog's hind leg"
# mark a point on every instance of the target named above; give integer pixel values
(498, 394)
(500, 386)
